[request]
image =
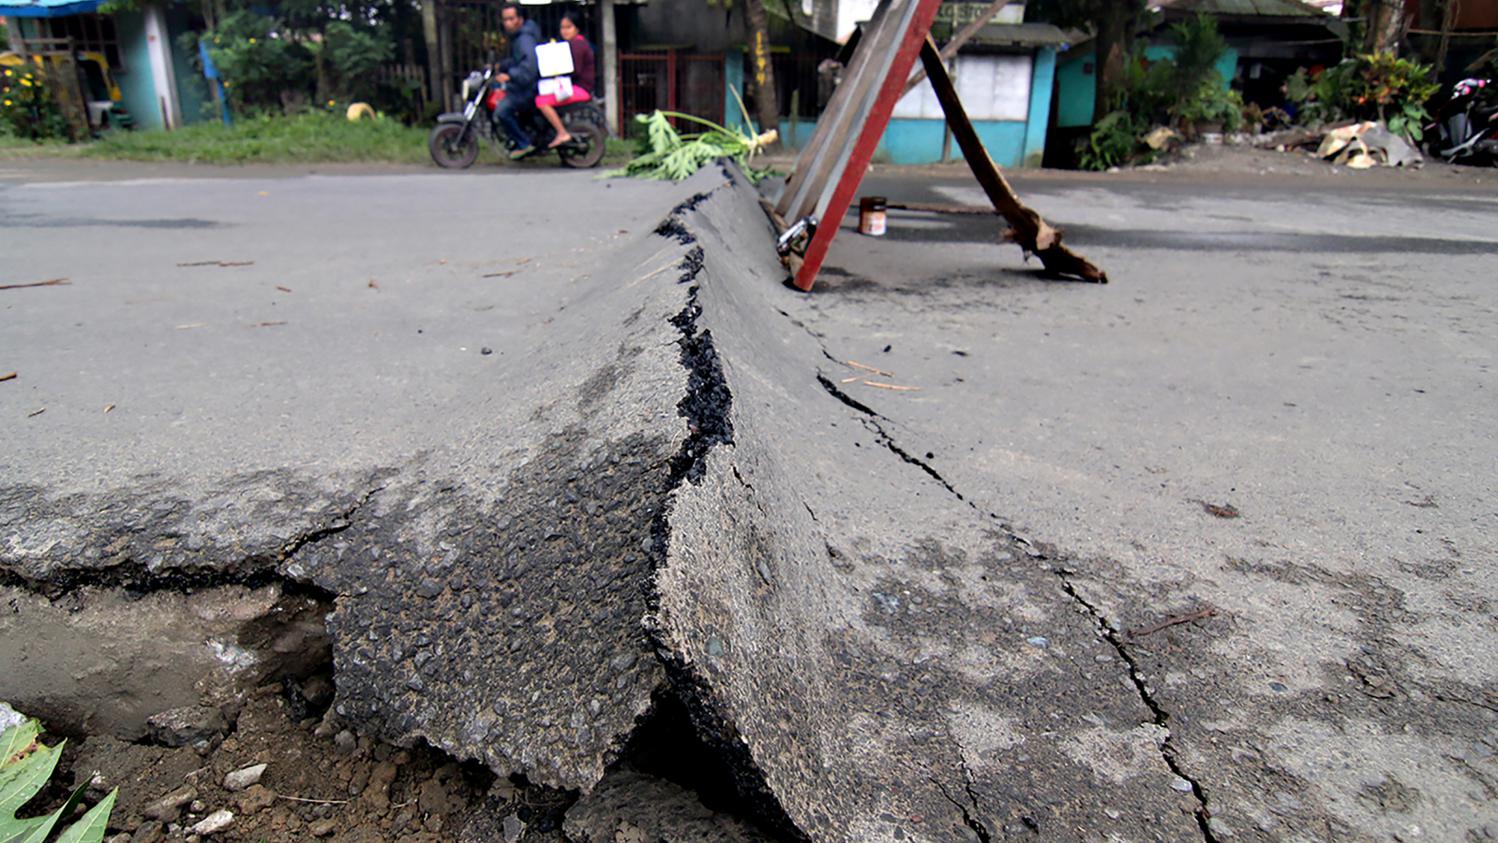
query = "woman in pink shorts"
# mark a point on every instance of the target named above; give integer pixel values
(583, 77)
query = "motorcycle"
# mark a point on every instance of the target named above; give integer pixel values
(454, 141)
(1465, 127)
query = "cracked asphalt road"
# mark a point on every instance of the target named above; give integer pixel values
(1318, 359)
(981, 610)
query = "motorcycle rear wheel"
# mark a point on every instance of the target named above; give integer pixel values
(452, 147)
(591, 139)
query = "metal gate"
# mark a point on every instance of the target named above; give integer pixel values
(670, 80)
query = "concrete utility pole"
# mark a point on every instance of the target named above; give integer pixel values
(163, 76)
(610, 65)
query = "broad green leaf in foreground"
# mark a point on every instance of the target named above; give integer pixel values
(25, 769)
(91, 828)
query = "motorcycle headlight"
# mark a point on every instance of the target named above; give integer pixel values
(474, 81)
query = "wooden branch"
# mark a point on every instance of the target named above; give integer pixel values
(963, 36)
(939, 208)
(1027, 229)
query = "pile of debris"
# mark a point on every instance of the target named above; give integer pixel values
(1357, 146)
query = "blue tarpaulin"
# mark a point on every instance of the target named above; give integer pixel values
(46, 8)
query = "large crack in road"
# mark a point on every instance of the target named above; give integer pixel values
(676, 509)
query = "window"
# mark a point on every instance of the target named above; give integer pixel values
(89, 33)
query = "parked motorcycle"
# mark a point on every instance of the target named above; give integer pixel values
(1465, 127)
(454, 142)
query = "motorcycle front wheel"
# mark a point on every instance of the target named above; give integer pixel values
(454, 146)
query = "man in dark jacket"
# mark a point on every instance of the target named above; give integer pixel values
(519, 73)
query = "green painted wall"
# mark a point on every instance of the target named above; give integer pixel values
(1038, 119)
(1076, 87)
(192, 88)
(137, 92)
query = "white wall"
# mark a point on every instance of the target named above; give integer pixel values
(850, 13)
(991, 88)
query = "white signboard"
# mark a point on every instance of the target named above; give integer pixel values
(991, 87)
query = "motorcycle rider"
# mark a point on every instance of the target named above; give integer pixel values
(519, 74)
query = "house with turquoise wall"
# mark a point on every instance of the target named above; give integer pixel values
(1076, 82)
(1267, 41)
(158, 85)
(1004, 77)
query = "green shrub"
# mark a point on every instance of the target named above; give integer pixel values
(261, 67)
(272, 64)
(26, 766)
(351, 56)
(1375, 86)
(1186, 92)
(1198, 47)
(1114, 141)
(1211, 104)
(27, 108)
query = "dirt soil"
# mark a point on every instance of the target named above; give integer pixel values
(320, 782)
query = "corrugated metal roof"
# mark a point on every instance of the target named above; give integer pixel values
(1020, 35)
(1246, 8)
(46, 8)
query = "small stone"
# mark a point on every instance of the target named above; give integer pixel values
(256, 798)
(118, 838)
(1180, 784)
(198, 806)
(10, 717)
(1220, 828)
(486, 351)
(1038, 641)
(148, 833)
(169, 806)
(429, 587)
(1112, 814)
(513, 828)
(214, 822)
(244, 777)
(345, 742)
(317, 691)
(1278, 686)
(186, 726)
(323, 828)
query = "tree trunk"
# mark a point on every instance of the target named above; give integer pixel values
(320, 65)
(434, 53)
(767, 104)
(1115, 25)
(1385, 23)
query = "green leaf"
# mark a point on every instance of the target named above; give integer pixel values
(18, 738)
(24, 780)
(42, 829)
(91, 828)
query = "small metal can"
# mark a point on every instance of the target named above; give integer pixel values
(872, 215)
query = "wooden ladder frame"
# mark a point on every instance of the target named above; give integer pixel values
(830, 168)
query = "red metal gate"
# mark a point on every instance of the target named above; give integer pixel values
(669, 80)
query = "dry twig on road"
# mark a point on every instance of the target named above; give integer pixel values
(1173, 620)
(50, 282)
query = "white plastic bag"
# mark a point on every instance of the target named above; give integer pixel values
(554, 58)
(558, 86)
